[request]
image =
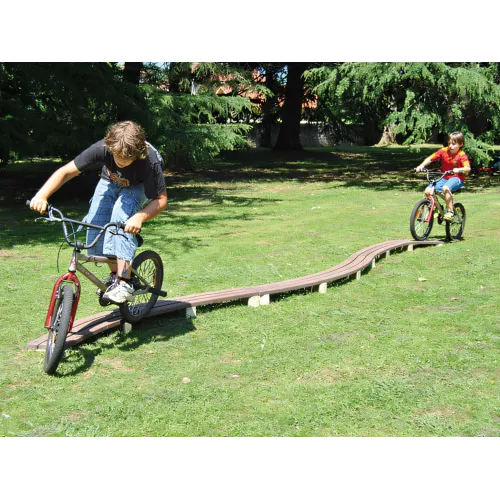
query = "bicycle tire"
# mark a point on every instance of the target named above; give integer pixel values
(419, 228)
(455, 228)
(58, 330)
(149, 265)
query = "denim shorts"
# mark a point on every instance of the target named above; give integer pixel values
(117, 204)
(453, 183)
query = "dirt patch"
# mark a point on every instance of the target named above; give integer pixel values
(229, 358)
(6, 254)
(117, 364)
(74, 417)
(442, 413)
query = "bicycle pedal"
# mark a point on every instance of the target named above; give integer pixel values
(102, 302)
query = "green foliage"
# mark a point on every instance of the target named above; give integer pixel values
(195, 126)
(419, 101)
(59, 109)
(56, 108)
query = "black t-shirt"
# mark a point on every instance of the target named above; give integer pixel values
(148, 171)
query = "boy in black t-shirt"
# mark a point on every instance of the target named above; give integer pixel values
(131, 172)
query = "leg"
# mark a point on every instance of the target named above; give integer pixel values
(124, 246)
(100, 212)
(452, 185)
(448, 198)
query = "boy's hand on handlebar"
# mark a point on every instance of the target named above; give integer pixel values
(39, 204)
(133, 225)
(419, 168)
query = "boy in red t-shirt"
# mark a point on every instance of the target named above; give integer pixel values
(452, 158)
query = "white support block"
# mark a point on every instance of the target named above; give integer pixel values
(322, 287)
(358, 275)
(191, 312)
(387, 254)
(410, 248)
(373, 263)
(254, 301)
(125, 327)
(264, 300)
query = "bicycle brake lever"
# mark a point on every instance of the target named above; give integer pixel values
(114, 232)
(50, 219)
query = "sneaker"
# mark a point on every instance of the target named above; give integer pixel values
(448, 216)
(110, 281)
(119, 293)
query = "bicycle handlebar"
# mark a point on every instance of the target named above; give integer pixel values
(78, 245)
(441, 174)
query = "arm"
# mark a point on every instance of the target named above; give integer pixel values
(424, 164)
(56, 180)
(150, 211)
(463, 170)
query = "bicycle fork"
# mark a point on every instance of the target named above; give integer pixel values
(67, 278)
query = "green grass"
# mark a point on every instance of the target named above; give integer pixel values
(411, 349)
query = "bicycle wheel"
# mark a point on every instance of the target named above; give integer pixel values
(419, 227)
(456, 226)
(149, 266)
(58, 330)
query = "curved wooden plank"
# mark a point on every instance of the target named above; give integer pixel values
(90, 326)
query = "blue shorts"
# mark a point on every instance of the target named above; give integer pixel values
(453, 183)
(116, 204)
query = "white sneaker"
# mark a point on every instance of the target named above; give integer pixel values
(119, 293)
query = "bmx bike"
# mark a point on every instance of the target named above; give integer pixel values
(430, 208)
(146, 279)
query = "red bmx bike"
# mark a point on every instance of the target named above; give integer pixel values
(430, 208)
(146, 279)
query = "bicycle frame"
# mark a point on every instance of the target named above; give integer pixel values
(70, 277)
(433, 197)
(75, 265)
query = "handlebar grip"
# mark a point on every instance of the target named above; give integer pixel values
(28, 203)
(140, 239)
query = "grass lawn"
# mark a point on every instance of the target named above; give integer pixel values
(411, 349)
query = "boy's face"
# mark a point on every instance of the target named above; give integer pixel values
(454, 147)
(123, 162)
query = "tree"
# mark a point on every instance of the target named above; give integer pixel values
(413, 102)
(289, 133)
(273, 77)
(55, 108)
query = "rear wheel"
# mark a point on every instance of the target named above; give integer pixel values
(58, 330)
(420, 223)
(148, 266)
(456, 226)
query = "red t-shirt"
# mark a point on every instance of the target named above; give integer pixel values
(449, 161)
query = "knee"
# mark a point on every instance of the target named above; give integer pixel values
(446, 190)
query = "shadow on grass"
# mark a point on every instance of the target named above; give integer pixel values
(368, 168)
(158, 329)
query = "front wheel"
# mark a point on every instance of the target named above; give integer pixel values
(456, 226)
(58, 330)
(421, 220)
(147, 273)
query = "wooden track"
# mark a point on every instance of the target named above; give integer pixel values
(86, 328)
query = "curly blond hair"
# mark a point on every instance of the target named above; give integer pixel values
(127, 140)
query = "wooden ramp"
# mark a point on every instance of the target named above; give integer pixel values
(86, 328)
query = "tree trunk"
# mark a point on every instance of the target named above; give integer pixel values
(289, 133)
(132, 72)
(388, 136)
(269, 110)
